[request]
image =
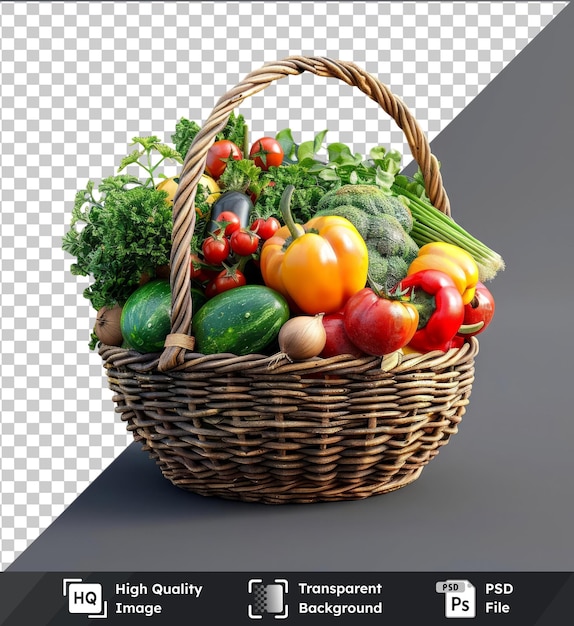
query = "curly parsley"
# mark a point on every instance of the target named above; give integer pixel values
(123, 233)
(309, 189)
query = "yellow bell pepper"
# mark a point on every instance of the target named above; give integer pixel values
(316, 267)
(451, 260)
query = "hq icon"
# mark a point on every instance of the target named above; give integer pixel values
(85, 598)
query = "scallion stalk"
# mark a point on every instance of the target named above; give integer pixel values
(430, 225)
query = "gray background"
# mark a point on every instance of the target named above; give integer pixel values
(498, 497)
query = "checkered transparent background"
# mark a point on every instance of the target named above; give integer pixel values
(80, 79)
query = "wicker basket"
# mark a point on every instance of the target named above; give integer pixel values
(250, 428)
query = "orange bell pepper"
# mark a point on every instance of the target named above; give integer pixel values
(316, 267)
(451, 260)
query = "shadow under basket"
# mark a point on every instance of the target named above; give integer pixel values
(254, 429)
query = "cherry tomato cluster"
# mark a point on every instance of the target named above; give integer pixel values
(227, 250)
(233, 240)
(264, 153)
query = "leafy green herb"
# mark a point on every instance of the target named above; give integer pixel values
(185, 131)
(235, 130)
(143, 156)
(341, 166)
(241, 175)
(309, 189)
(307, 151)
(118, 236)
(345, 168)
(112, 183)
(313, 175)
(285, 139)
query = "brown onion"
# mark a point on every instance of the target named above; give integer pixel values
(302, 337)
(107, 328)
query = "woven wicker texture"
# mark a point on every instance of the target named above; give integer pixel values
(258, 429)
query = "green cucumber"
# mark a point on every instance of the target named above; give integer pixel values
(243, 320)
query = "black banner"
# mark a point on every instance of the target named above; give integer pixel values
(245, 598)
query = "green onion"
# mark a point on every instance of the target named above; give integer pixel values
(431, 225)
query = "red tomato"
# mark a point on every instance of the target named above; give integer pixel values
(265, 228)
(232, 222)
(266, 152)
(379, 325)
(218, 155)
(338, 341)
(244, 242)
(229, 278)
(215, 249)
(479, 309)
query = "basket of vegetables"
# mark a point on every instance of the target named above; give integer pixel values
(280, 326)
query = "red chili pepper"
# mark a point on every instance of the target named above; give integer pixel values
(440, 307)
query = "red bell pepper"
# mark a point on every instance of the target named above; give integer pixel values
(440, 306)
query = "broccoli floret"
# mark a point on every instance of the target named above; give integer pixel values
(398, 269)
(387, 235)
(378, 268)
(370, 199)
(384, 232)
(411, 250)
(360, 220)
(398, 209)
(386, 272)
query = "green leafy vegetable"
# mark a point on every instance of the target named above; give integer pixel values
(241, 175)
(185, 132)
(342, 166)
(308, 191)
(235, 130)
(345, 168)
(117, 237)
(285, 139)
(312, 176)
(307, 151)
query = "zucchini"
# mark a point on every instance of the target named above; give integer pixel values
(243, 320)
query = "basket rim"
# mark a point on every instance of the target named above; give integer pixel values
(227, 363)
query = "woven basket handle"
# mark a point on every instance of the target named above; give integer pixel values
(184, 209)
